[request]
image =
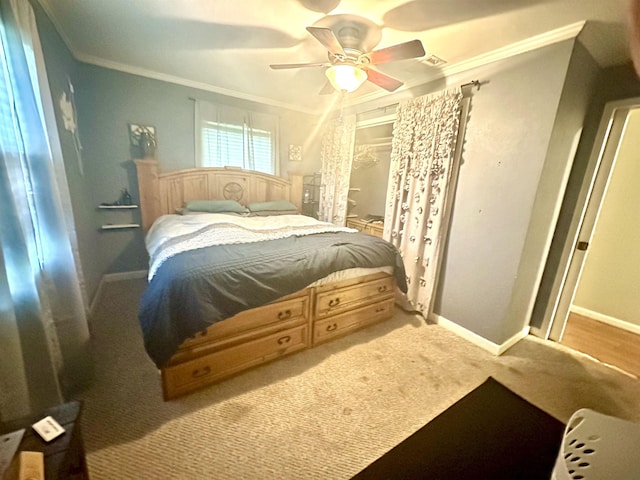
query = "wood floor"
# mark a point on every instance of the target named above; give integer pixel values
(608, 344)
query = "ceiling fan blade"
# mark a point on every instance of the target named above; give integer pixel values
(401, 51)
(327, 89)
(282, 66)
(327, 38)
(385, 81)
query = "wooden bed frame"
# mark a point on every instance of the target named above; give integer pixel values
(162, 193)
(302, 320)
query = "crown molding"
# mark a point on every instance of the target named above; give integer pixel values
(143, 72)
(101, 62)
(538, 41)
(46, 6)
(533, 43)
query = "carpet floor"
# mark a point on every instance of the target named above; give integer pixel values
(324, 413)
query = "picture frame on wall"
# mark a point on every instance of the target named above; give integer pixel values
(143, 140)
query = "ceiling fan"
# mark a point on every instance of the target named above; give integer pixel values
(350, 61)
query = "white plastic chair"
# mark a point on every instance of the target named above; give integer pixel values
(598, 447)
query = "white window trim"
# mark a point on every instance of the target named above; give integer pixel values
(205, 111)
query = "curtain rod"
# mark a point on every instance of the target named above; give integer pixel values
(472, 83)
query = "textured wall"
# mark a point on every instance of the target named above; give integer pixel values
(519, 135)
(486, 283)
(485, 277)
(62, 68)
(107, 101)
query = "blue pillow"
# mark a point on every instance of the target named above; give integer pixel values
(268, 213)
(215, 206)
(275, 206)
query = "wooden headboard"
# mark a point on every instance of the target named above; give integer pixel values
(162, 193)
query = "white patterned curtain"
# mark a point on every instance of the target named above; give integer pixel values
(422, 155)
(44, 336)
(337, 157)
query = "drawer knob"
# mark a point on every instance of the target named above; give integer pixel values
(334, 302)
(332, 327)
(201, 372)
(380, 309)
(382, 288)
(284, 315)
(283, 340)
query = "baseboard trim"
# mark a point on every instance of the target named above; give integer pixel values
(116, 277)
(113, 277)
(488, 345)
(601, 317)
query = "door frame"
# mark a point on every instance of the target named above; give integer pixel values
(596, 179)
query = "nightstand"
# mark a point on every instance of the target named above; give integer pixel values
(64, 457)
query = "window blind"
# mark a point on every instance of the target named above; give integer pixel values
(228, 136)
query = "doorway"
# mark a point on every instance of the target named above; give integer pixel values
(594, 308)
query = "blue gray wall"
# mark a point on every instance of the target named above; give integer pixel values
(508, 135)
(107, 102)
(577, 91)
(519, 134)
(522, 125)
(62, 67)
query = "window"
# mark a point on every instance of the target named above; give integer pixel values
(228, 136)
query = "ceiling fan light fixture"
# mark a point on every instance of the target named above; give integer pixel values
(346, 77)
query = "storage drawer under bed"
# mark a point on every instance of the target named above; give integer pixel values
(192, 374)
(338, 325)
(339, 300)
(289, 310)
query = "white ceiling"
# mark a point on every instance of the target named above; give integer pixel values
(226, 46)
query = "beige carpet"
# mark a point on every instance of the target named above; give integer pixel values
(324, 413)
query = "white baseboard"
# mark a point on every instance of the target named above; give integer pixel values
(113, 277)
(601, 317)
(478, 340)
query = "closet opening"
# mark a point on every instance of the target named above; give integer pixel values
(370, 175)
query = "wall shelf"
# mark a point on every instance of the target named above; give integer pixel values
(119, 226)
(114, 207)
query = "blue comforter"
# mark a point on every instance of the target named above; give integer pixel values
(192, 290)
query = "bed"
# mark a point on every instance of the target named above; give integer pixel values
(230, 290)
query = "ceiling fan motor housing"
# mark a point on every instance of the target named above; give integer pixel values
(352, 31)
(349, 40)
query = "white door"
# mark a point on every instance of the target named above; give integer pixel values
(596, 179)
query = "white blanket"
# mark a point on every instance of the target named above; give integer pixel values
(172, 234)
